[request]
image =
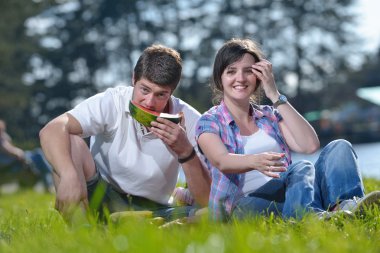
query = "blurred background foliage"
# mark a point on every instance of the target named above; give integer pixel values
(56, 53)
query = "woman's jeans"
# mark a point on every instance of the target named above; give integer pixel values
(307, 187)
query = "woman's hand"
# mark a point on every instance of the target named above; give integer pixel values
(269, 163)
(263, 71)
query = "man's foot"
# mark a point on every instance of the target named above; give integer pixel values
(359, 205)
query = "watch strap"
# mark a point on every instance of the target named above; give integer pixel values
(188, 158)
(281, 100)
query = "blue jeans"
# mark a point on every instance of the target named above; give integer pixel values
(35, 162)
(40, 166)
(337, 176)
(307, 187)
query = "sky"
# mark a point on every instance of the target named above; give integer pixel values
(369, 23)
(369, 28)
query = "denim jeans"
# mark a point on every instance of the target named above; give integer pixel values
(40, 166)
(337, 176)
(36, 163)
(307, 187)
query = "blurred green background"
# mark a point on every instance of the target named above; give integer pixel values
(56, 53)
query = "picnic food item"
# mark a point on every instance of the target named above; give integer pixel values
(127, 215)
(146, 116)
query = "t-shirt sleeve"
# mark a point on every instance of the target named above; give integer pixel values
(97, 114)
(207, 124)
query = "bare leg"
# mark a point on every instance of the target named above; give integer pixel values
(82, 159)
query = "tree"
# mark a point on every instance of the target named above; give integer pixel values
(90, 45)
(309, 42)
(15, 50)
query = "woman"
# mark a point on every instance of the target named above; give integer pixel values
(247, 146)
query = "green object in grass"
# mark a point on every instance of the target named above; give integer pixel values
(127, 215)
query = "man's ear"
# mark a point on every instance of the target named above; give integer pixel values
(133, 79)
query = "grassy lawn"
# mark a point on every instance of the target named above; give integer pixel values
(29, 223)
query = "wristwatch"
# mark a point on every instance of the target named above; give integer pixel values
(282, 99)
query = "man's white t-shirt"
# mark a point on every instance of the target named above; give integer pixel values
(129, 157)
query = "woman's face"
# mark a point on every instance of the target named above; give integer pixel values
(238, 80)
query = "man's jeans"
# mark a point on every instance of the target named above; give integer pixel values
(307, 187)
(104, 198)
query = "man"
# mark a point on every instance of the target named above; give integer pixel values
(138, 165)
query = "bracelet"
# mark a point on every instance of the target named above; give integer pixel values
(188, 158)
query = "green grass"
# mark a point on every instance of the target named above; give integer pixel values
(29, 223)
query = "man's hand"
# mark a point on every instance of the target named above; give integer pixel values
(197, 177)
(71, 193)
(173, 135)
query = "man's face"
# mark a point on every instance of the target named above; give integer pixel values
(151, 95)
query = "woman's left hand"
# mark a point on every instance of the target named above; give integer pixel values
(263, 71)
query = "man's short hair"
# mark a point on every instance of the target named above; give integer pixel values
(160, 65)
